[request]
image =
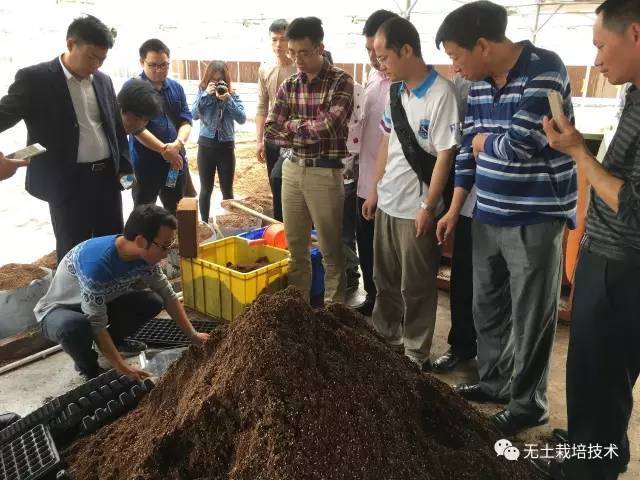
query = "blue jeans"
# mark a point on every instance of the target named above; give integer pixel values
(70, 328)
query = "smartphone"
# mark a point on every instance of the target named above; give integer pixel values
(27, 152)
(555, 102)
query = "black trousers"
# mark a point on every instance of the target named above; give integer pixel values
(603, 361)
(349, 221)
(272, 154)
(462, 336)
(215, 156)
(70, 327)
(151, 183)
(93, 209)
(364, 238)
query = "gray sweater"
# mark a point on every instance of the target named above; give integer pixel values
(616, 236)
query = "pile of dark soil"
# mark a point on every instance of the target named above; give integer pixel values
(18, 275)
(288, 393)
(248, 267)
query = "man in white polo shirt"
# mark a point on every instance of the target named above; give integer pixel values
(406, 254)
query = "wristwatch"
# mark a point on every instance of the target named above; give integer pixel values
(427, 207)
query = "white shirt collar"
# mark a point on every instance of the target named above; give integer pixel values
(70, 75)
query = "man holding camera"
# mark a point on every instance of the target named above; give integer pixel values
(160, 147)
(311, 115)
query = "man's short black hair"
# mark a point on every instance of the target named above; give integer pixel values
(399, 32)
(88, 30)
(617, 15)
(466, 24)
(374, 21)
(153, 45)
(306, 27)
(138, 97)
(278, 26)
(146, 220)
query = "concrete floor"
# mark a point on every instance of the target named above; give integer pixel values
(25, 389)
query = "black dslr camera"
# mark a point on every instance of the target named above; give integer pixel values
(221, 87)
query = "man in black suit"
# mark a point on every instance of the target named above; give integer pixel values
(70, 108)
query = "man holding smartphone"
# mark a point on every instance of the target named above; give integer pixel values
(70, 108)
(603, 361)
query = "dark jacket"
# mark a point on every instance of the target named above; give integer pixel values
(40, 97)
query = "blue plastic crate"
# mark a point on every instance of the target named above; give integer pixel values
(317, 269)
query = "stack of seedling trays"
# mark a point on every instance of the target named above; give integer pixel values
(28, 446)
(164, 334)
(31, 456)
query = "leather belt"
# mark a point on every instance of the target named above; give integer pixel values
(318, 162)
(95, 167)
(631, 257)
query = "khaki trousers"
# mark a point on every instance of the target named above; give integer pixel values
(314, 196)
(405, 269)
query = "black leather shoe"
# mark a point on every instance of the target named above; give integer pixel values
(449, 361)
(365, 308)
(130, 347)
(7, 419)
(472, 393)
(511, 424)
(427, 366)
(550, 469)
(562, 436)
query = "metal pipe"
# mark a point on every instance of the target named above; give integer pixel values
(535, 27)
(30, 358)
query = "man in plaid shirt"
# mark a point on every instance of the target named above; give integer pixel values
(311, 116)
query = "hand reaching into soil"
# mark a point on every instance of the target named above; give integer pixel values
(133, 373)
(199, 338)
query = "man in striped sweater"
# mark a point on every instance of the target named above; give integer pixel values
(526, 195)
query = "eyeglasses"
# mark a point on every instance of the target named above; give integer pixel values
(158, 66)
(302, 54)
(382, 60)
(162, 247)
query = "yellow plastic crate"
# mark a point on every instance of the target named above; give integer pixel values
(213, 289)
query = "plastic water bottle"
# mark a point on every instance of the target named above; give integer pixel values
(172, 178)
(126, 181)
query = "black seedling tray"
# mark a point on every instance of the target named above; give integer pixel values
(101, 400)
(30, 456)
(115, 401)
(165, 333)
(59, 413)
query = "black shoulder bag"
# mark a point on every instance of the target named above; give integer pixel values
(420, 161)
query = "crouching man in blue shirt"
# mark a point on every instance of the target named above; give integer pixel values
(105, 288)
